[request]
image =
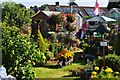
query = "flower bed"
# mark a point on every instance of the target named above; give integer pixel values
(95, 74)
(64, 57)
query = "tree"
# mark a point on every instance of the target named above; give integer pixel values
(41, 43)
(35, 8)
(17, 53)
(55, 19)
(16, 14)
(43, 6)
(39, 57)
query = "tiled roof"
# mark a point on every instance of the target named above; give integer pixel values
(43, 14)
(113, 5)
(86, 11)
(49, 13)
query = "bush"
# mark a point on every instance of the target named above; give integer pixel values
(55, 19)
(116, 45)
(15, 15)
(104, 74)
(17, 53)
(70, 27)
(89, 49)
(71, 18)
(112, 61)
(41, 43)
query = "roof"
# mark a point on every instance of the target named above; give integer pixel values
(114, 0)
(113, 4)
(43, 14)
(101, 19)
(85, 11)
(49, 13)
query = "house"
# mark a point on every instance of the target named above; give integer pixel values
(113, 4)
(38, 24)
(83, 10)
(81, 13)
(114, 13)
(114, 9)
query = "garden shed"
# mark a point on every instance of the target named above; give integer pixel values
(39, 21)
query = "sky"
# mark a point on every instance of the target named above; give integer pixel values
(28, 3)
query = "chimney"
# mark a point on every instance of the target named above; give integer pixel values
(57, 3)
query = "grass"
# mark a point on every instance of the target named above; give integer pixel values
(54, 72)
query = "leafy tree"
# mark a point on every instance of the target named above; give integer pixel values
(35, 8)
(55, 19)
(17, 52)
(43, 6)
(16, 14)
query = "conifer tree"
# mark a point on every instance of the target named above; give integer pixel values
(41, 43)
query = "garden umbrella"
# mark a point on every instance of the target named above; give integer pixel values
(101, 19)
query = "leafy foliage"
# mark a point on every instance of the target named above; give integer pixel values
(112, 61)
(104, 73)
(89, 49)
(41, 42)
(41, 46)
(71, 18)
(70, 27)
(17, 53)
(116, 46)
(55, 19)
(15, 15)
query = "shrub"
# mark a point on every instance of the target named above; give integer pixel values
(15, 15)
(17, 53)
(88, 49)
(104, 74)
(70, 27)
(112, 61)
(55, 19)
(41, 42)
(39, 57)
(116, 45)
(71, 18)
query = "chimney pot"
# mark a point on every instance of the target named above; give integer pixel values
(57, 3)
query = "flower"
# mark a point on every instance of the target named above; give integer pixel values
(117, 73)
(29, 61)
(93, 76)
(108, 70)
(96, 68)
(94, 73)
(64, 54)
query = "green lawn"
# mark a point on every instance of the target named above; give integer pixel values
(53, 72)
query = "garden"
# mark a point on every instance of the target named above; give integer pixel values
(60, 55)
